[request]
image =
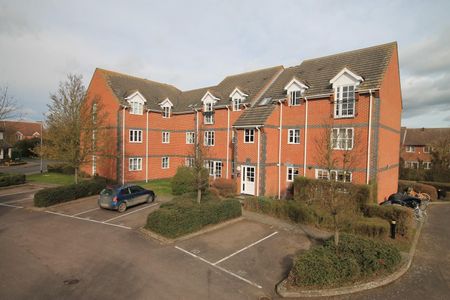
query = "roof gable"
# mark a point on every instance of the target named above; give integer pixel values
(237, 93)
(346, 77)
(136, 96)
(166, 103)
(209, 97)
(295, 85)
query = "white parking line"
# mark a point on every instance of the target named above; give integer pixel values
(9, 205)
(84, 219)
(25, 192)
(245, 248)
(86, 211)
(20, 200)
(220, 268)
(131, 212)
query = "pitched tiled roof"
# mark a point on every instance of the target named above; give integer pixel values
(369, 63)
(24, 127)
(257, 115)
(423, 136)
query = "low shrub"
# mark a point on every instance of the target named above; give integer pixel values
(55, 195)
(438, 185)
(183, 182)
(354, 258)
(226, 187)
(12, 179)
(402, 215)
(183, 215)
(403, 186)
(60, 168)
(372, 227)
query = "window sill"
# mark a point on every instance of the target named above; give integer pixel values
(344, 117)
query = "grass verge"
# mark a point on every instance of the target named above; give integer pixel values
(159, 186)
(55, 178)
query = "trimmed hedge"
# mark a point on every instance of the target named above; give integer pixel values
(402, 215)
(438, 185)
(354, 258)
(55, 195)
(403, 186)
(182, 216)
(60, 168)
(12, 179)
(226, 187)
(372, 227)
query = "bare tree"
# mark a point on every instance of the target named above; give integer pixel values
(337, 167)
(76, 128)
(440, 153)
(8, 105)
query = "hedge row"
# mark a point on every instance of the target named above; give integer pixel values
(225, 187)
(403, 186)
(55, 195)
(402, 215)
(371, 227)
(438, 185)
(182, 216)
(353, 259)
(11, 179)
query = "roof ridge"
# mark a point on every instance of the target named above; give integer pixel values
(347, 52)
(135, 77)
(197, 89)
(254, 71)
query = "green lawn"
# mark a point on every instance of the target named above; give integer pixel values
(159, 186)
(56, 178)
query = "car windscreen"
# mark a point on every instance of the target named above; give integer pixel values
(107, 192)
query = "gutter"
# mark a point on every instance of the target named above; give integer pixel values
(123, 143)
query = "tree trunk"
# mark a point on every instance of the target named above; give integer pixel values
(199, 195)
(76, 175)
(336, 229)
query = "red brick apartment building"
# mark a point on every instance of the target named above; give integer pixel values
(416, 145)
(260, 127)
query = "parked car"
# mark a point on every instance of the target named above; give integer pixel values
(121, 197)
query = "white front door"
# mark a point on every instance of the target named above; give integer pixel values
(248, 180)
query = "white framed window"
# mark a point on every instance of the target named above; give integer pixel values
(427, 149)
(294, 136)
(165, 137)
(336, 175)
(322, 174)
(294, 98)
(208, 110)
(410, 149)
(164, 162)
(135, 164)
(237, 104)
(342, 138)
(135, 136)
(189, 161)
(190, 137)
(344, 104)
(249, 135)
(426, 165)
(214, 168)
(166, 112)
(411, 164)
(291, 173)
(209, 138)
(137, 108)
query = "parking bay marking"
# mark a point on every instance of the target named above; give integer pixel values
(109, 220)
(86, 211)
(219, 267)
(19, 200)
(84, 219)
(10, 205)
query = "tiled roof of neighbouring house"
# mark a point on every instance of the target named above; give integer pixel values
(423, 136)
(24, 127)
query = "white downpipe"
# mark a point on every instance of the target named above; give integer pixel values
(146, 151)
(306, 137)
(369, 137)
(257, 160)
(280, 128)
(123, 145)
(228, 137)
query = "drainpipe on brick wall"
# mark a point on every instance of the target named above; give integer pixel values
(123, 144)
(257, 160)
(368, 137)
(146, 151)
(228, 136)
(306, 136)
(280, 131)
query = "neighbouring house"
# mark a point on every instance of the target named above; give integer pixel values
(259, 127)
(417, 143)
(20, 130)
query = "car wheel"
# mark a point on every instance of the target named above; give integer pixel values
(150, 198)
(122, 207)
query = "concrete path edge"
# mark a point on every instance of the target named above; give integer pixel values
(407, 261)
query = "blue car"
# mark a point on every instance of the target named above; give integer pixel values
(121, 197)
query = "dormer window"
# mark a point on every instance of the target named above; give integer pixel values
(136, 101)
(166, 107)
(295, 90)
(344, 85)
(237, 98)
(237, 104)
(208, 109)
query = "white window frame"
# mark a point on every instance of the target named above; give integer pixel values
(249, 136)
(136, 107)
(323, 174)
(208, 109)
(291, 172)
(344, 105)
(426, 165)
(166, 137)
(427, 149)
(214, 167)
(342, 138)
(412, 164)
(190, 137)
(237, 104)
(135, 164)
(410, 149)
(135, 135)
(294, 136)
(294, 97)
(209, 138)
(165, 162)
(166, 110)
(189, 162)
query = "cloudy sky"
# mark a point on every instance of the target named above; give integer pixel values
(193, 44)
